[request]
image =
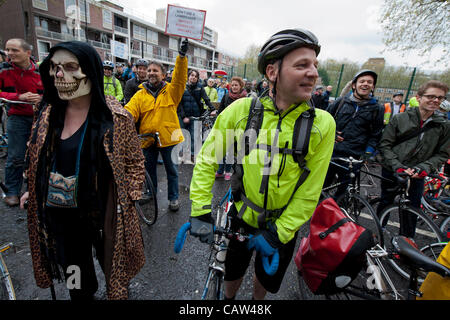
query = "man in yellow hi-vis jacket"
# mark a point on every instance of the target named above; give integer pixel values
(271, 204)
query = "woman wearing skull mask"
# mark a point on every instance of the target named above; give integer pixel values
(89, 142)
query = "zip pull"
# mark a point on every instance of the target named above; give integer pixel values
(119, 209)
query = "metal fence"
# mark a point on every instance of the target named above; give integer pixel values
(390, 79)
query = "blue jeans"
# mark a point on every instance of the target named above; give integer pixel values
(151, 158)
(415, 192)
(196, 136)
(19, 130)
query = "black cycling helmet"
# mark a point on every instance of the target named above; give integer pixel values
(283, 42)
(365, 72)
(141, 62)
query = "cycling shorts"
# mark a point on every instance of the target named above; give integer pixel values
(239, 257)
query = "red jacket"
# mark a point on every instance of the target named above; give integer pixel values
(14, 81)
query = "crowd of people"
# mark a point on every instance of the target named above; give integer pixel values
(76, 143)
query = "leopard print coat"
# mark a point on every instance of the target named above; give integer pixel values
(124, 248)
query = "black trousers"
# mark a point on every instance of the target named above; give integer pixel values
(75, 238)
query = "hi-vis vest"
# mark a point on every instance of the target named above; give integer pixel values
(388, 111)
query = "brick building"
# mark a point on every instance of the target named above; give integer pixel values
(107, 27)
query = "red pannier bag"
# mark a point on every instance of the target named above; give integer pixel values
(333, 253)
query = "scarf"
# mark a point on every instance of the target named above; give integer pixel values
(236, 96)
(359, 101)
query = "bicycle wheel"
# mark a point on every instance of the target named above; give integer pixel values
(6, 287)
(362, 212)
(434, 250)
(393, 224)
(214, 286)
(445, 228)
(3, 146)
(147, 207)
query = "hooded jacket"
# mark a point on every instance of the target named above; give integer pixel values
(110, 178)
(427, 151)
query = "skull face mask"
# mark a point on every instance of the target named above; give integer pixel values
(70, 81)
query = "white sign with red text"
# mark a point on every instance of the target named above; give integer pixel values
(185, 22)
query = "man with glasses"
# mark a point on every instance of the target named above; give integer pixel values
(416, 142)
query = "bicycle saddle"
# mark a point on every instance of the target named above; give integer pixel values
(417, 259)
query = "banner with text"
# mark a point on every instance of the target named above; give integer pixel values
(185, 22)
(119, 49)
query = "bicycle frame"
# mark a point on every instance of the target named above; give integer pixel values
(219, 248)
(5, 276)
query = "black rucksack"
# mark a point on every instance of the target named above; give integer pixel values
(301, 136)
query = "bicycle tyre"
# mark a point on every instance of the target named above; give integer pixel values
(3, 147)
(214, 288)
(426, 233)
(6, 287)
(434, 250)
(445, 228)
(148, 206)
(363, 214)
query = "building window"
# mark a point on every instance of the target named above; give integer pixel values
(40, 23)
(43, 49)
(40, 4)
(107, 19)
(152, 36)
(138, 32)
(173, 43)
(85, 15)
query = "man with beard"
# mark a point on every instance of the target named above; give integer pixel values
(154, 108)
(359, 125)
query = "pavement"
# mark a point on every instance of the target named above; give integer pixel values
(165, 276)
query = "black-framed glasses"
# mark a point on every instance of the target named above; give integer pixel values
(433, 97)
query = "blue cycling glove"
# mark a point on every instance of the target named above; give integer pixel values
(203, 227)
(265, 242)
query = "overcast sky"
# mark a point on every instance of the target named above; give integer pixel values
(346, 29)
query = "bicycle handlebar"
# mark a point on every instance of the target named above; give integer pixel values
(270, 267)
(205, 115)
(17, 102)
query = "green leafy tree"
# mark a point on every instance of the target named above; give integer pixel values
(420, 25)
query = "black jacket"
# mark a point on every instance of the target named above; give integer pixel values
(191, 105)
(361, 126)
(131, 87)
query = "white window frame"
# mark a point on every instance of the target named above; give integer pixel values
(39, 48)
(173, 43)
(107, 19)
(152, 36)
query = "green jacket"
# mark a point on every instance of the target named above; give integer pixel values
(111, 89)
(428, 151)
(212, 94)
(284, 173)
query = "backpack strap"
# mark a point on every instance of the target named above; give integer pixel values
(300, 144)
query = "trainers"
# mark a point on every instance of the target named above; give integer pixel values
(228, 176)
(12, 201)
(174, 205)
(219, 175)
